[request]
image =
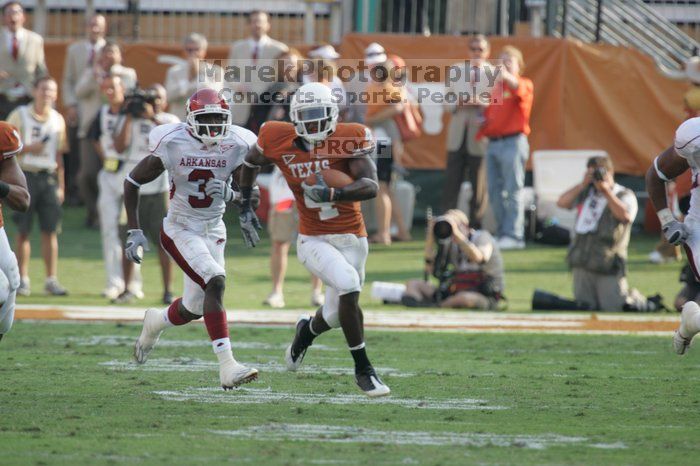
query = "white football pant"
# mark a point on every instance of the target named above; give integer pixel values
(197, 247)
(9, 282)
(339, 261)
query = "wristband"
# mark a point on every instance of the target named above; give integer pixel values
(665, 216)
(336, 194)
(4, 189)
(246, 194)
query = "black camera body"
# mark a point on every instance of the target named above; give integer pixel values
(599, 173)
(135, 102)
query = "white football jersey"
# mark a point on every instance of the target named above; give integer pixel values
(190, 164)
(687, 145)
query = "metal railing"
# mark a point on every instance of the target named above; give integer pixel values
(631, 23)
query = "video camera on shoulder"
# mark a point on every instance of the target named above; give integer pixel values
(135, 102)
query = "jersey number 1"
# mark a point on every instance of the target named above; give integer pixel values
(200, 178)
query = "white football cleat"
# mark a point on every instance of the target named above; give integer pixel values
(153, 326)
(233, 374)
(687, 330)
(370, 384)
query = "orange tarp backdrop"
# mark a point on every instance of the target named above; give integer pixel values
(586, 96)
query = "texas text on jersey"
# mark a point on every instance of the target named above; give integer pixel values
(191, 163)
(279, 142)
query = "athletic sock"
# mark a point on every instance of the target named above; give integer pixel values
(216, 324)
(307, 335)
(172, 316)
(222, 350)
(359, 354)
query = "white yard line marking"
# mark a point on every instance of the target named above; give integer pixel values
(344, 434)
(124, 340)
(262, 396)
(435, 320)
(199, 365)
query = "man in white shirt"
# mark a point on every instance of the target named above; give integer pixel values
(81, 55)
(114, 158)
(183, 79)
(87, 90)
(257, 50)
(21, 59)
(153, 203)
(43, 133)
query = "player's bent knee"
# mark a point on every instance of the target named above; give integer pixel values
(216, 285)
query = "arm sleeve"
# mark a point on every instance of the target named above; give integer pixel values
(158, 144)
(263, 136)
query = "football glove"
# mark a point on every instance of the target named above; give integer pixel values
(220, 189)
(254, 198)
(675, 232)
(319, 192)
(134, 240)
(249, 227)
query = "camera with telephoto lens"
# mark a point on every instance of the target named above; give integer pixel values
(135, 102)
(442, 228)
(599, 173)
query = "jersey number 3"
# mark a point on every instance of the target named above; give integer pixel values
(200, 178)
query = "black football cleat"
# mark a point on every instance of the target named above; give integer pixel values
(370, 384)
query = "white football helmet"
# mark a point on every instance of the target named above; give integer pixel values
(314, 112)
(208, 116)
(687, 142)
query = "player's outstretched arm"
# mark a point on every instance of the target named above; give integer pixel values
(365, 186)
(13, 185)
(667, 166)
(146, 171)
(248, 220)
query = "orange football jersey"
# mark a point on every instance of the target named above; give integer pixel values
(10, 145)
(279, 142)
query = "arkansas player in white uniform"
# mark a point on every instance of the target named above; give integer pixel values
(13, 192)
(673, 162)
(200, 157)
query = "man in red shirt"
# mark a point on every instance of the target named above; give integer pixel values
(507, 125)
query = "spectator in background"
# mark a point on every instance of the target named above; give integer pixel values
(182, 80)
(258, 49)
(598, 252)
(507, 126)
(43, 132)
(374, 55)
(465, 152)
(153, 200)
(325, 71)
(467, 264)
(388, 99)
(21, 59)
(89, 95)
(103, 132)
(275, 99)
(81, 55)
(282, 226)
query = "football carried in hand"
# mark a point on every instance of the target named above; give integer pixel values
(333, 178)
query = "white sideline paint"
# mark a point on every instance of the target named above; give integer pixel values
(343, 434)
(125, 340)
(435, 320)
(263, 396)
(199, 365)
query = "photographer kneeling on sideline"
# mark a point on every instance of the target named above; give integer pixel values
(467, 264)
(598, 252)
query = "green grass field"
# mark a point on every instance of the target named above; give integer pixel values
(70, 394)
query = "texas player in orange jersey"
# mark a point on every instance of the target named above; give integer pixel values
(14, 193)
(332, 241)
